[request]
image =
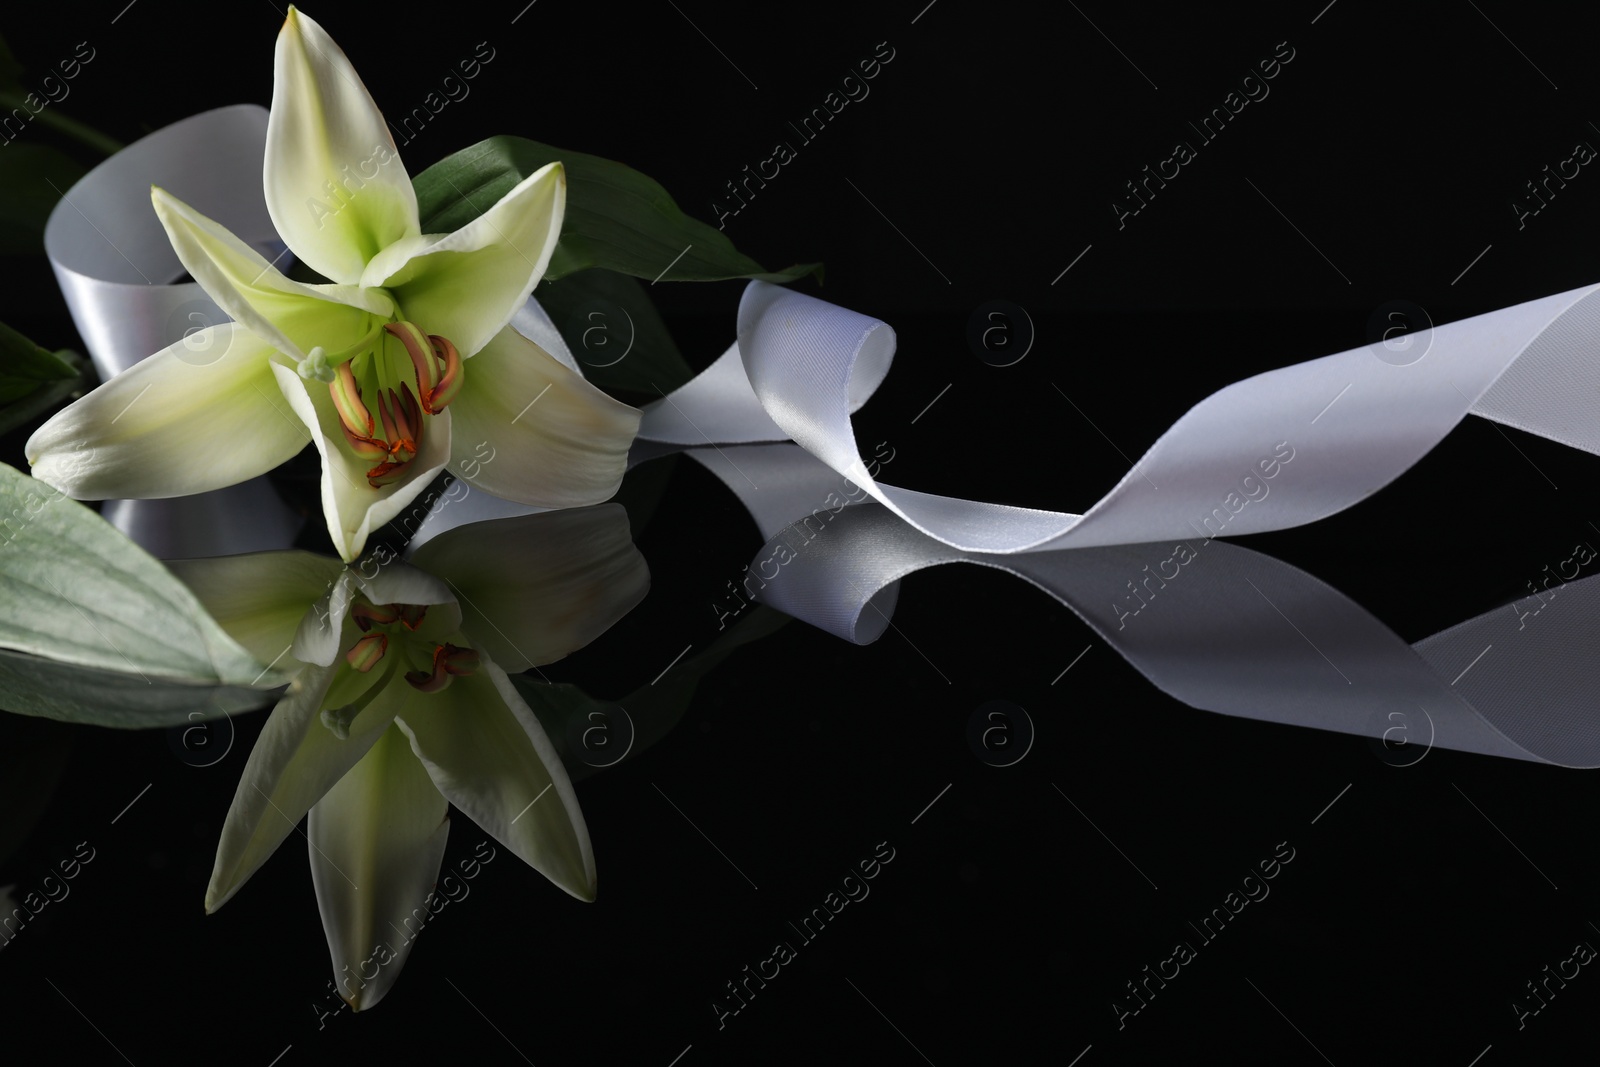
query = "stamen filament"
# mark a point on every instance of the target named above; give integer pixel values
(365, 373)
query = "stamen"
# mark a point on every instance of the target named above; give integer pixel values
(392, 433)
(411, 411)
(389, 432)
(366, 614)
(448, 661)
(411, 615)
(421, 353)
(461, 660)
(386, 474)
(367, 652)
(365, 447)
(450, 381)
(353, 413)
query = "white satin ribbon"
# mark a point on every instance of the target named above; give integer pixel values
(1351, 422)
(111, 257)
(115, 267)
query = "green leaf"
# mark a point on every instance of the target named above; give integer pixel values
(24, 366)
(34, 177)
(10, 69)
(615, 333)
(74, 590)
(616, 217)
(33, 380)
(33, 685)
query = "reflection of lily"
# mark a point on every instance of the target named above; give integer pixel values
(403, 706)
(398, 367)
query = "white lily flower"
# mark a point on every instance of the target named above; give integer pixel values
(402, 706)
(403, 364)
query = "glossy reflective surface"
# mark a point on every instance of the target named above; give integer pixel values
(986, 836)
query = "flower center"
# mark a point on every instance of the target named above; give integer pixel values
(384, 624)
(390, 644)
(373, 374)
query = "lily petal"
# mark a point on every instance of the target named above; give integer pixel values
(336, 189)
(490, 757)
(399, 583)
(260, 598)
(377, 839)
(172, 425)
(468, 284)
(352, 506)
(291, 316)
(553, 439)
(294, 763)
(535, 588)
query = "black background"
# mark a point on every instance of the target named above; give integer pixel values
(1385, 159)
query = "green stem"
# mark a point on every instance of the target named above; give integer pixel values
(86, 135)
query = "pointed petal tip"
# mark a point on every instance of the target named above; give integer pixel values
(217, 894)
(367, 998)
(165, 203)
(45, 467)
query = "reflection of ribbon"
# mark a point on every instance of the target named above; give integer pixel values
(1245, 634)
(1230, 630)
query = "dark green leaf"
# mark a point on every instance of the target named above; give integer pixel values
(10, 69)
(642, 490)
(34, 176)
(653, 709)
(615, 333)
(33, 380)
(616, 217)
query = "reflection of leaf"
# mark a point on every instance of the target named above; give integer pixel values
(602, 315)
(33, 685)
(10, 69)
(33, 380)
(34, 176)
(654, 709)
(616, 217)
(77, 591)
(32, 755)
